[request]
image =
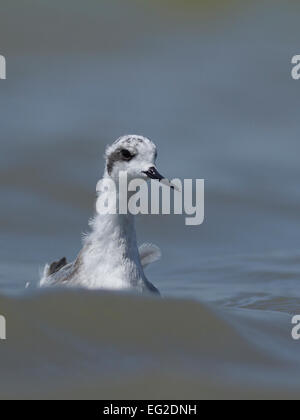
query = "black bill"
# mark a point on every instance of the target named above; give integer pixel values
(154, 174)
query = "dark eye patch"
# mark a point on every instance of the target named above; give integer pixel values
(126, 155)
(119, 155)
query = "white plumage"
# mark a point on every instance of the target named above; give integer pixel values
(110, 257)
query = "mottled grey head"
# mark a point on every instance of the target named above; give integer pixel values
(131, 153)
(135, 155)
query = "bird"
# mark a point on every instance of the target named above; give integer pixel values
(110, 257)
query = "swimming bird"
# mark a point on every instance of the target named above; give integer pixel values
(110, 257)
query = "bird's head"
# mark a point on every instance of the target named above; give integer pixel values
(133, 154)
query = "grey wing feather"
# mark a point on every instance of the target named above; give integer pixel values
(149, 253)
(59, 276)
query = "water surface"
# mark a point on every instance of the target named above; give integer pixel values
(212, 88)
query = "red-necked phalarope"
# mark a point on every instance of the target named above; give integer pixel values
(110, 257)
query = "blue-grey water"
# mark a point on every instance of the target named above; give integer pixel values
(212, 87)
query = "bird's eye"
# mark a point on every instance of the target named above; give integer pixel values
(126, 154)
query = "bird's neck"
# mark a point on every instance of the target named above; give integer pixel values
(117, 229)
(112, 233)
